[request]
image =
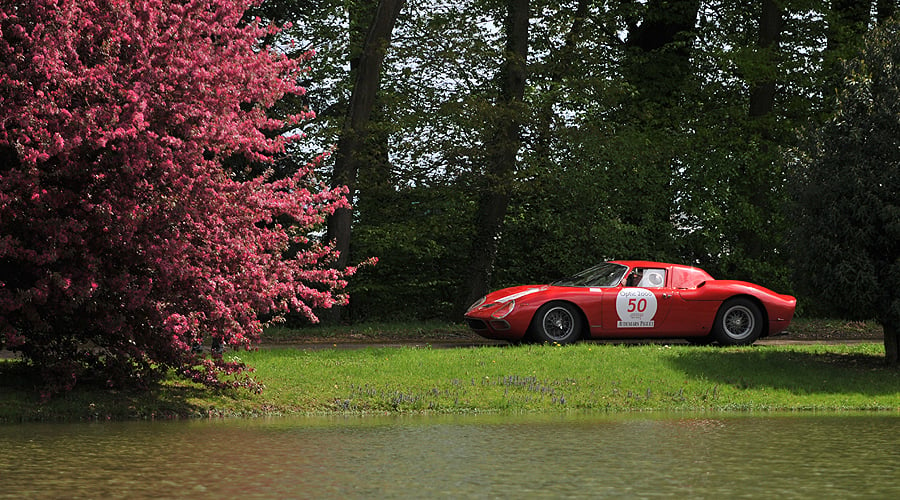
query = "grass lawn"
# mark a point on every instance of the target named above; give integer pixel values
(498, 379)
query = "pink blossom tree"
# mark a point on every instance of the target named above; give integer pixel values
(123, 240)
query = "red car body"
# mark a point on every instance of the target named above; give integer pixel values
(660, 301)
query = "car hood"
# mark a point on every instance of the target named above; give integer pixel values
(516, 292)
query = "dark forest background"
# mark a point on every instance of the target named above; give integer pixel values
(496, 142)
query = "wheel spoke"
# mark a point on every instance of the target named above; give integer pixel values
(558, 323)
(739, 322)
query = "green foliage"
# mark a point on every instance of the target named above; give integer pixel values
(612, 164)
(416, 234)
(848, 230)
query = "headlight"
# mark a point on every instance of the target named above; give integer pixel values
(504, 310)
(476, 304)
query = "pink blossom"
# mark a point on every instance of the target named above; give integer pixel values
(118, 120)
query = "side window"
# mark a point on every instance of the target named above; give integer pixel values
(653, 278)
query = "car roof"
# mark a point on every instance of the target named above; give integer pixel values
(682, 276)
(645, 263)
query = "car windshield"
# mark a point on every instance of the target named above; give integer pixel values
(605, 274)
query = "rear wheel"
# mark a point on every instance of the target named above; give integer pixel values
(738, 322)
(556, 322)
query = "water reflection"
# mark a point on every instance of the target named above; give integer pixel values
(477, 456)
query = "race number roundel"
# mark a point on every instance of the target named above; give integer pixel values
(636, 308)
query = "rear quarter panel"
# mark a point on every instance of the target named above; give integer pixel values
(706, 299)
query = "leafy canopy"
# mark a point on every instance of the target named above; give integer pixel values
(848, 230)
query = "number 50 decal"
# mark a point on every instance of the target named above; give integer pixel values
(639, 305)
(636, 308)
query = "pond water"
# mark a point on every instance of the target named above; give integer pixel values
(575, 456)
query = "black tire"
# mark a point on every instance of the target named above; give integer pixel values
(738, 322)
(556, 322)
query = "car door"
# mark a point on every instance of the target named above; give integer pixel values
(641, 310)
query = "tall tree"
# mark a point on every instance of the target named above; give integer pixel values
(757, 178)
(125, 242)
(350, 147)
(763, 87)
(502, 145)
(848, 225)
(657, 64)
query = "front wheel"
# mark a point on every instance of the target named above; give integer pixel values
(556, 322)
(738, 322)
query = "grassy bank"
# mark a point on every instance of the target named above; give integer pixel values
(533, 378)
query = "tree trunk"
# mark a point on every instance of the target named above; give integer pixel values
(885, 10)
(561, 64)
(762, 104)
(658, 65)
(355, 129)
(659, 58)
(762, 95)
(351, 144)
(503, 146)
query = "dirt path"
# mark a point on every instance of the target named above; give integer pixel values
(480, 342)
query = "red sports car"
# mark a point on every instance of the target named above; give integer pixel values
(634, 299)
